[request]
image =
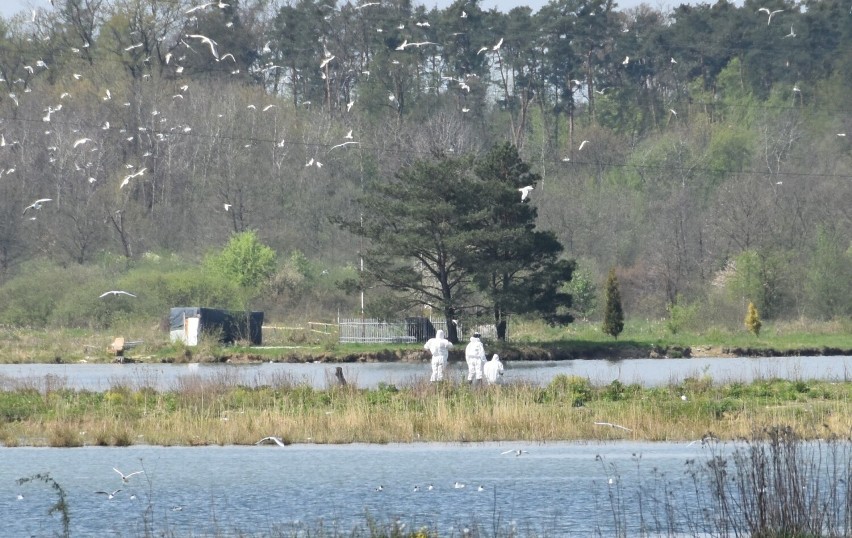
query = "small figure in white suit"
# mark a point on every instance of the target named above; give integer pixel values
(474, 354)
(493, 369)
(439, 347)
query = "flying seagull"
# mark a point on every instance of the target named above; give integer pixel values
(196, 8)
(117, 292)
(582, 144)
(343, 144)
(108, 494)
(37, 204)
(271, 439)
(525, 192)
(126, 477)
(131, 176)
(81, 141)
(770, 13)
(207, 41)
(611, 425)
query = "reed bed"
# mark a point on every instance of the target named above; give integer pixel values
(222, 411)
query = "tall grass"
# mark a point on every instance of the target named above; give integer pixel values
(227, 410)
(771, 484)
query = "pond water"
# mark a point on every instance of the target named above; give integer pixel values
(646, 372)
(554, 489)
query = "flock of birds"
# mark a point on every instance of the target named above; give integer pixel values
(459, 485)
(209, 46)
(174, 60)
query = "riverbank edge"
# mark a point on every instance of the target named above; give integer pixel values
(553, 352)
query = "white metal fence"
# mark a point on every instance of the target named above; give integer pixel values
(362, 331)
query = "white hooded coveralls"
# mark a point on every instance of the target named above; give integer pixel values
(474, 354)
(439, 347)
(493, 369)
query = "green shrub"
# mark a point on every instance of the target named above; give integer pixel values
(564, 388)
(681, 316)
(30, 298)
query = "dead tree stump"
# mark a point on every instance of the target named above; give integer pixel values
(338, 373)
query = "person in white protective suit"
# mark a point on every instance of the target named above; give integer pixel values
(439, 347)
(492, 369)
(474, 354)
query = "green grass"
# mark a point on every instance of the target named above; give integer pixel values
(531, 339)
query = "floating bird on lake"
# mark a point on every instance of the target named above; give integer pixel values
(458, 485)
(37, 204)
(515, 451)
(101, 296)
(125, 477)
(480, 488)
(525, 192)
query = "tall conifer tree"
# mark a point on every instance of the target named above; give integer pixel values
(613, 322)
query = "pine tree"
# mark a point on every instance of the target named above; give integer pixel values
(752, 320)
(613, 322)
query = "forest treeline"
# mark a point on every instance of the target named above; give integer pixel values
(705, 152)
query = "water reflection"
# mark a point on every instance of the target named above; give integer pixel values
(647, 372)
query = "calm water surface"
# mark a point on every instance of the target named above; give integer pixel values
(555, 489)
(647, 372)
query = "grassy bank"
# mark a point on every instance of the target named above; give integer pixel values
(221, 411)
(527, 340)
